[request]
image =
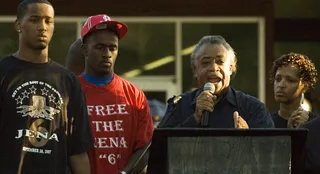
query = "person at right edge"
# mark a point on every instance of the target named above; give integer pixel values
(311, 159)
(213, 60)
(292, 75)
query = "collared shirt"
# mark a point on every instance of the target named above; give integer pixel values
(250, 109)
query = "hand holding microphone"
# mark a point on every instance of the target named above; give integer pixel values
(204, 104)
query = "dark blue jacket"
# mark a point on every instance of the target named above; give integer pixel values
(180, 111)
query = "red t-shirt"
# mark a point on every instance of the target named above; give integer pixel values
(120, 120)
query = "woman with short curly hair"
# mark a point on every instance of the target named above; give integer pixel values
(292, 75)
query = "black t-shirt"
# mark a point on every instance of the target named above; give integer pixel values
(43, 117)
(312, 148)
(280, 122)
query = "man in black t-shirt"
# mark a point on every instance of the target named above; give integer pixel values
(44, 123)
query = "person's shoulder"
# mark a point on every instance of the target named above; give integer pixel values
(68, 75)
(127, 84)
(187, 96)
(174, 100)
(313, 124)
(247, 97)
(55, 65)
(312, 116)
(251, 104)
(129, 88)
(5, 65)
(6, 58)
(5, 61)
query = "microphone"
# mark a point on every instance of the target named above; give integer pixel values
(205, 115)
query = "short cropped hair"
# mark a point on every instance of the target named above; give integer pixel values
(214, 39)
(307, 70)
(23, 7)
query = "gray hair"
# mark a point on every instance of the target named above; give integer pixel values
(213, 39)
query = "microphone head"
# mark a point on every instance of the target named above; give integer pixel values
(209, 87)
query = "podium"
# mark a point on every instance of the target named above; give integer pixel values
(226, 151)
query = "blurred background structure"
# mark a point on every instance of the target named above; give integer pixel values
(155, 53)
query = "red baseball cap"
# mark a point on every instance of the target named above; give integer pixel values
(103, 21)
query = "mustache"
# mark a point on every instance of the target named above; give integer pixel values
(215, 75)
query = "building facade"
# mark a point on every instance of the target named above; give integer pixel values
(155, 54)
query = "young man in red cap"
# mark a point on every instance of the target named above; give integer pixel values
(119, 112)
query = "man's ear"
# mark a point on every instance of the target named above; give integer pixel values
(233, 67)
(84, 50)
(17, 24)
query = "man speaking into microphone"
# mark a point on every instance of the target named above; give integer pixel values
(215, 103)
